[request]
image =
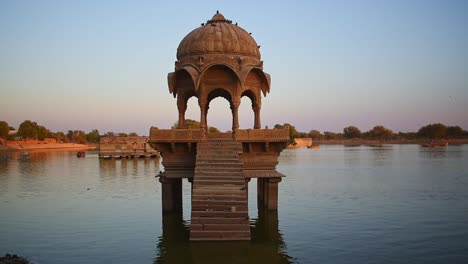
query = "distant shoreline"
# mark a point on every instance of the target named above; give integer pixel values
(388, 142)
(46, 146)
(357, 142)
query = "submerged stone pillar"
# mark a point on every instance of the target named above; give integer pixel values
(267, 193)
(171, 194)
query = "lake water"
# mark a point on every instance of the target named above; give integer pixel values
(390, 204)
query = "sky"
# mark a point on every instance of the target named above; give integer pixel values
(104, 64)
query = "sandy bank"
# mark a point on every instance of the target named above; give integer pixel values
(70, 146)
(301, 143)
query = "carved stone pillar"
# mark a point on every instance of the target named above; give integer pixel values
(235, 115)
(203, 113)
(171, 192)
(182, 107)
(267, 193)
(256, 108)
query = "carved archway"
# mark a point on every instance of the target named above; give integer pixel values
(215, 93)
(255, 100)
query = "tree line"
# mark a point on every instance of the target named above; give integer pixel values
(32, 130)
(427, 132)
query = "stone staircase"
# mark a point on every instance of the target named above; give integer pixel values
(219, 195)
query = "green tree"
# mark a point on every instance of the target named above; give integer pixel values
(4, 129)
(109, 134)
(330, 135)
(93, 136)
(189, 123)
(133, 134)
(121, 134)
(29, 129)
(61, 137)
(433, 131)
(213, 130)
(454, 132)
(351, 132)
(76, 136)
(407, 135)
(315, 134)
(293, 134)
(380, 133)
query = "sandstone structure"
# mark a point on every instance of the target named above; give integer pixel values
(219, 59)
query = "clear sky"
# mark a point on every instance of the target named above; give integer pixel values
(104, 64)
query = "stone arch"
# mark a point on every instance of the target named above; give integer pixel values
(222, 98)
(182, 80)
(215, 93)
(182, 86)
(255, 79)
(218, 80)
(255, 99)
(218, 75)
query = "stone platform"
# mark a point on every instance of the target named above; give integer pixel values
(219, 166)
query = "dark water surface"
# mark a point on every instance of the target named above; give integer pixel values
(391, 204)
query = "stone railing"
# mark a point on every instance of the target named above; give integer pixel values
(176, 135)
(219, 135)
(262, 135)
(197, 135)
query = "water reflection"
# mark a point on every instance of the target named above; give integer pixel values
(107, 168)
(267, 244)
(433, 153)
(124, 167)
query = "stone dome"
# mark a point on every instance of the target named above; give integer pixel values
(218, 35)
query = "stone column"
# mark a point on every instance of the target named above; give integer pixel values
(267, 193)
(247, 180)
(203, 113)
(171, 194)
(235, 115)
(256, 108)
(272, 202)
(260, 193)
(182, 107)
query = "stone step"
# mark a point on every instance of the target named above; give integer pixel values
(221, 197)
(220, 202)
(219, 194)
(220, 182)
(217, 157)
(219, 146)
(219, 208)
(209, 167)
(235, 214)
(220, 162)
(215, 177)
(221, 176)
(220, 171)
(229, 189)
(220, 220)
(225, 190)
(223, 227)
(219, 235)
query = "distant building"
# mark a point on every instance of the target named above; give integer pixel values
(125, 147)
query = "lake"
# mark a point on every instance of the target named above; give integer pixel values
(338, 204)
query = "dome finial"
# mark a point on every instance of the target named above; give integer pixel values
(218, 17)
